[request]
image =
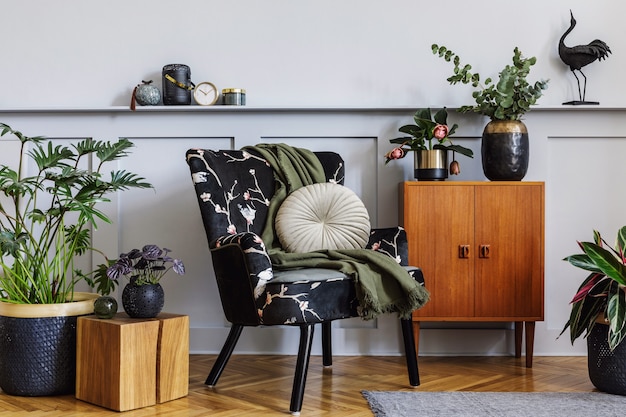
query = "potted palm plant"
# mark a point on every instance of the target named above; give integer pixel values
(505, 147)
(48, 205)
(599, 310)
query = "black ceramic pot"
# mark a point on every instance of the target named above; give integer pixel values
(505, 150)
(143, 301)
(607, 369)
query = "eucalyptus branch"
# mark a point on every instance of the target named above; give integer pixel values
(508, 99)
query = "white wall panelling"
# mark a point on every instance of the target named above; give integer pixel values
(578, 152)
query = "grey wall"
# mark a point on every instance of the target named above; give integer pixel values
(322, 53)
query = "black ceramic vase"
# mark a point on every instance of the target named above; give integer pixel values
(143, 301)
(505, 150)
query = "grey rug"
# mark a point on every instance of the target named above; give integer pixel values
(495, 404)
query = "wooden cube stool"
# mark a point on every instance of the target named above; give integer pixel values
(125, 363)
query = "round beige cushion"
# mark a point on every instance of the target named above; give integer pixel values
(322, 216)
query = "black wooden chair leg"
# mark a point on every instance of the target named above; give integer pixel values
(327, 343)
(224, 356)
(302, 366)
(409, 352)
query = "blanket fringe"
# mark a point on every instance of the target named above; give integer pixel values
(414, 300)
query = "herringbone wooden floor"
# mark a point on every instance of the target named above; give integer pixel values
(261, 385)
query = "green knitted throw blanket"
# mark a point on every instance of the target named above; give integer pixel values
(382, 285)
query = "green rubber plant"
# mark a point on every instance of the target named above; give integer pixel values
(601, 296)
(508, 99)
(49, 203)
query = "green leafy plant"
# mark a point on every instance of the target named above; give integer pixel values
(428, 133)
(508, 99)
(601, 295)
(46, 218)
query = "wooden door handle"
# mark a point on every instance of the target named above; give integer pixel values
(484, 251)
(464, 251)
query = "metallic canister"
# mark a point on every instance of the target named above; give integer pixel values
(177, 84)
(431, 165)
(234, 97)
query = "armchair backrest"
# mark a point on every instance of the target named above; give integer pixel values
(234, 188)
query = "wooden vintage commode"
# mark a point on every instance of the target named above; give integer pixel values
(481, 247)
(125, 363)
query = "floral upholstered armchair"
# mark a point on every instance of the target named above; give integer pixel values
(234, 189)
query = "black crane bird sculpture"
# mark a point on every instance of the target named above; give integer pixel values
(578, 56)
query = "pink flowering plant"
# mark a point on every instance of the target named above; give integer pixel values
(428, 133)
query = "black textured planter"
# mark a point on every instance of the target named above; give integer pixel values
(607, 370)
(505, 150)
(143, 301)
(38, 354)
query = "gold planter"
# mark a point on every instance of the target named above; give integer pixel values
(431, 165)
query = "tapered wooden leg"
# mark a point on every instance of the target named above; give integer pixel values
(410, 352)
(327, 343)
(530, 343)
(302, 366)
(224, 356)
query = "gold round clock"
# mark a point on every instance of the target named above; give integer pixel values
(205, 93)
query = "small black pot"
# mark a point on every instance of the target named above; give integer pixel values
(143, 301)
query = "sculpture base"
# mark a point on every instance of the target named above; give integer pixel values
(580, 103)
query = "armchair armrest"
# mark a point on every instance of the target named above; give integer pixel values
(241, 260)
(390, 241)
